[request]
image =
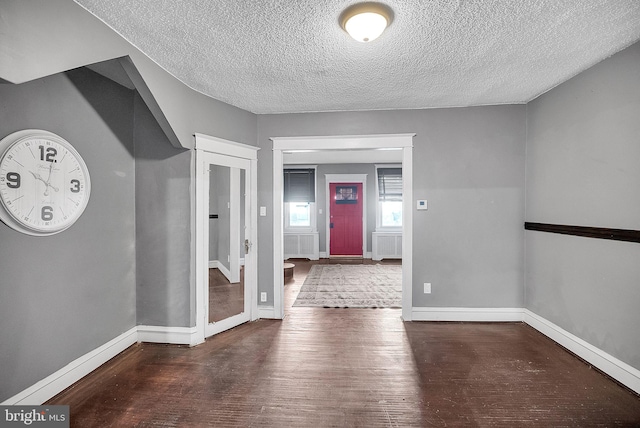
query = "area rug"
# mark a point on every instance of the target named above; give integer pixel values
(352, 286)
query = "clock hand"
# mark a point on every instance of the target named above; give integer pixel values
(37, 177)
(48, 183)
(50, 170)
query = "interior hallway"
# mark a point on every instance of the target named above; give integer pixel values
(352, 367)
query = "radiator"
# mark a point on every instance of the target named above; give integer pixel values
(386, 245)
(301, 246)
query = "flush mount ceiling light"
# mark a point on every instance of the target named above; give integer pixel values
(366, 21)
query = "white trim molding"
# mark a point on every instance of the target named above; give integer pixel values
(53, 384)
(344, 142)
(467, 314)
(173, 335)
(619, 370)
(613, 367)
(216, 264)
(345, 178)
(267, 312)
(211, 150)
(220, 145)
(58, 381)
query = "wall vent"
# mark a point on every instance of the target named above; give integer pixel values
(301, 245)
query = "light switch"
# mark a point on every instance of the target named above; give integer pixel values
(263, 211)
(421, 204)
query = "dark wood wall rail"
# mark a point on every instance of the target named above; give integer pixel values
(589, 232)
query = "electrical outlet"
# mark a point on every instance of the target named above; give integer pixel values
(427, 288)
(263, 296)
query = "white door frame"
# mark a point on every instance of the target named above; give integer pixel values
(212, 150)
(346, 178)
(354, 142)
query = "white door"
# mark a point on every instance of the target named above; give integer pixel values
(225, 235)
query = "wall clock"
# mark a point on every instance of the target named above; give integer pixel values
(44, 183)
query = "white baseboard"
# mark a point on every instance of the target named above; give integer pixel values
(80, 367)
(467, 314)
(174, 335)
(267, 312)
(619, 370)
(226, 272)
(74, 371)
(322, 254)
(57, 382)
(368, 255)
(215, 264)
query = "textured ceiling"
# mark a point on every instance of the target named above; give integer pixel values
(277, 56)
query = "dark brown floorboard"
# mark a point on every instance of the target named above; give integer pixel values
(352, 368)
(225, 299)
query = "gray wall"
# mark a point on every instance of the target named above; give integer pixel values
(583, 169)
(159, 221)
(78, 38)
(67, 294)
(163, 227)
(220, 191)
(469, 164)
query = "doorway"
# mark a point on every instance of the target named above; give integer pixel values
(225, 235)
(403, 142)
(227, 195)
(347, 215)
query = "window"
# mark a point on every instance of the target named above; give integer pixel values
(299, 214)
(299, 198)
(389, 197)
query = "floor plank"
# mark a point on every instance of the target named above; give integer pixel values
(352, 367)
(225, 298)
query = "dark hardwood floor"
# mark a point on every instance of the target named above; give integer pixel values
(225, 298)
(352, 368)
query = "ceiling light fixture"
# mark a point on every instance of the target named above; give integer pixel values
(366, 21)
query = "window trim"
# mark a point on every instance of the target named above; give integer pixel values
(313, 218)
(379, 226)
(281, 145)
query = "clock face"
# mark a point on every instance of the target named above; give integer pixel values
(44, 183)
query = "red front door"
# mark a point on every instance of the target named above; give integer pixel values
(345, 219)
